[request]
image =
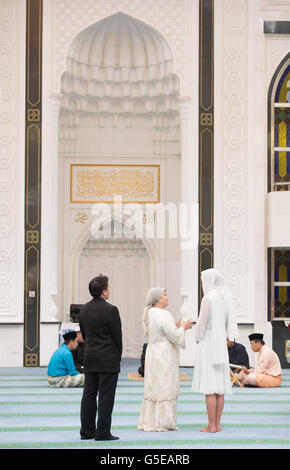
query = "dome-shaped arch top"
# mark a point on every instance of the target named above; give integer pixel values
(120, 41)
(120, 74)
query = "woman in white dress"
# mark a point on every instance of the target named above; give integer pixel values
(161, 378)
(216, 323)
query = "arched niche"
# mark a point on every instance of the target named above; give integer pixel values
(130, 265)
(119, 91)
(119, 104)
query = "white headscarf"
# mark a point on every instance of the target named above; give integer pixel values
(153, 295)
(217, 290)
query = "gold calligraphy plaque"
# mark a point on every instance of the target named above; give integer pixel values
(102, 183)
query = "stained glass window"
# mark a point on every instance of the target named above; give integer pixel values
(281, 130)
(281, 307)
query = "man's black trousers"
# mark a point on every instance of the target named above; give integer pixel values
(103, 385)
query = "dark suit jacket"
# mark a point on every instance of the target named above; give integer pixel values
(101, 328)
(238, 355)
(78, 355)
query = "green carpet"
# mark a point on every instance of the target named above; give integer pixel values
(34, 416)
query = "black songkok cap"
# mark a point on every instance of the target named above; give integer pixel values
(255, 336)
(69, 335)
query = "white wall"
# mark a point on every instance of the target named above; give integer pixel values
(165, 253)
(278, 209)
(91, 144)
(11, 345)
(12, 160)
(245, 61)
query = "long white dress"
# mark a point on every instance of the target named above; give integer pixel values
(210, 378)
(161, 379)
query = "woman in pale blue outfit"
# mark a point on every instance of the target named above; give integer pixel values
(215, 324)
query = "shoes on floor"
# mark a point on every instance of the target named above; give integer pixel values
(87, 437)
(109, 438)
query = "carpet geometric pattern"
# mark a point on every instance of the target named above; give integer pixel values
(34, 416)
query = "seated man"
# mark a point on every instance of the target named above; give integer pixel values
(61, 369)
(238, 354)
(268, 372)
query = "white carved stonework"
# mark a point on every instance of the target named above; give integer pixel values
(11, 168)
(119, 78)
(232, 202)
(120, 104)
(275, 5)
(127, 264)
(72, 16)
(50, 214)
(277, 48)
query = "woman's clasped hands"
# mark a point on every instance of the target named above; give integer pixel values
(186, 323)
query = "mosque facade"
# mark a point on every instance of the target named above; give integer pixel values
(147, 140)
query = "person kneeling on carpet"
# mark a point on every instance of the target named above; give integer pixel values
(268, 371)
(61, 369)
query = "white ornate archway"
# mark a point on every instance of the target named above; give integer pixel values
(119, 104)
(119, 76)
(127, 264)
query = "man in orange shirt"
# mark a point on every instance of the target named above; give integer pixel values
(268, 372)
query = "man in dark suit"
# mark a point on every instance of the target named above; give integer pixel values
(101, 329)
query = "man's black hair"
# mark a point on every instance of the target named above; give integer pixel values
(97, 285)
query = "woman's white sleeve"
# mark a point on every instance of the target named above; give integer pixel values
(200, 326)
(174, 335)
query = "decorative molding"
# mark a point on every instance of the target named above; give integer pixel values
(114, 247)
(32, 183)
(277, 49)
(102, 89)
(11, 158)
(127, 264)
(234, 197)
(206, 137)
(275, 5)
(80, 217)
(167, 16)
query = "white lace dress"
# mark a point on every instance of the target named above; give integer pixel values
(161, 380)
(208, 378)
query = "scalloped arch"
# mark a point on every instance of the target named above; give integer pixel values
(120, 41)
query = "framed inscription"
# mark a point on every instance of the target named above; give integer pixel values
(90, 183)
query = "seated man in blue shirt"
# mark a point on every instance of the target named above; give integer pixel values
(61, 368)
